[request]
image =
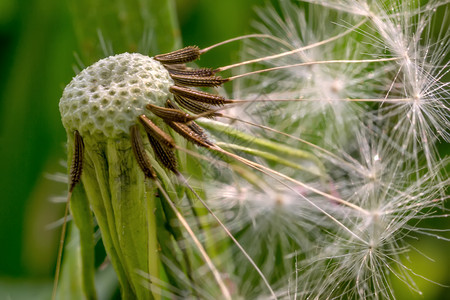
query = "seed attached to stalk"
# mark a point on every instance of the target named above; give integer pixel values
(189, 80)
(156, 132)
(198, 96)
(201, 72)
(180, 56)
(139, 153)
(77, 161)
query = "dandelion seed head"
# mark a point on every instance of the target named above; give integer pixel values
(263, 217)
(362, 264)
(419, 76)
(295, 29)
(322, 87)
(274, 220)
(106, 98)
(251, 203)
(417, 34)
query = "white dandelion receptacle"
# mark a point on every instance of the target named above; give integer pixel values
(107, 97)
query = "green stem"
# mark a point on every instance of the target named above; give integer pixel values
(70, 286)
(81, 213)
(127, 186)
(152, 234)
(93, 172)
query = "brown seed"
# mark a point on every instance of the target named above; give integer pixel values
(189, 80)
(156, 132)
(179, 67)
(191, 131)
(199, 96)
(170, 114)
(193, 106)
(163, 153)
(188, 133)
(77, 161)
(201, 72)
(198, 130)
(169, 104)
(139, 152)
(180, 56)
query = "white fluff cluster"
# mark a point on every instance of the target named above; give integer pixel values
(367, 92)
(106, 98)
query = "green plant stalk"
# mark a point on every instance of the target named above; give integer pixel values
(121, 210)
(269, 156)
(82, 217)
(94, 181)
(124, 204)
(70, 286)
(127, 186)
(152, 233)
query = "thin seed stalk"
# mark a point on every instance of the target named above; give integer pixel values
(270, 157)
(265, 144)
(190, 165)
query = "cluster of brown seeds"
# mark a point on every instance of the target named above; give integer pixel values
(199, 103)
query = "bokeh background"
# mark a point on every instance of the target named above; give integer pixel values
(39, 48)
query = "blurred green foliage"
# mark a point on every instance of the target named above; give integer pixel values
(38, 41)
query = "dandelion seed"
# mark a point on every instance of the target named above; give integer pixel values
(405, 30)
(322, 87)
(362, 269)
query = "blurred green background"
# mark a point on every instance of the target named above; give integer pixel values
(38, 53)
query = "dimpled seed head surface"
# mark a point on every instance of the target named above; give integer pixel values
(106, 98)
